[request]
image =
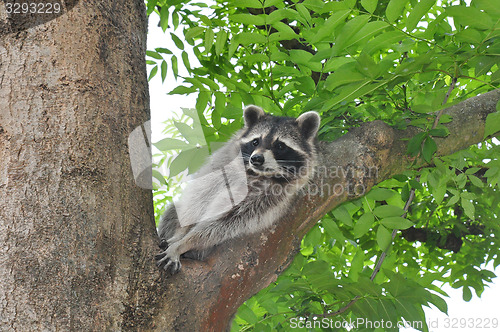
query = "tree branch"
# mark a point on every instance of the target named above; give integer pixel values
(348, 168)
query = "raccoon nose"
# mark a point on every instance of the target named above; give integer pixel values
(257, 159)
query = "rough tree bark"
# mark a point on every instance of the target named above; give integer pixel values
(77, 234)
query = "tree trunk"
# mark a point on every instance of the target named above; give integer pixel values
(77, 233)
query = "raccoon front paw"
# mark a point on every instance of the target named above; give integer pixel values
(167, 262)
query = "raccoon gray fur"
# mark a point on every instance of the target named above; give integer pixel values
(245, 186)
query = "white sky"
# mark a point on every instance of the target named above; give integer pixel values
(162, 106)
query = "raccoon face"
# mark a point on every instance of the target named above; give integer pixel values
(279, 147)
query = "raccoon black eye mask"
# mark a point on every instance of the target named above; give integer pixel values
(244, 187)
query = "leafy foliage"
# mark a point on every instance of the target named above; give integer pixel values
(400, 61)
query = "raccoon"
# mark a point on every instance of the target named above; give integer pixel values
(245, 186)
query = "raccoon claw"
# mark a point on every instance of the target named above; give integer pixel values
(174, 266)
(163, 245)
(165, 262)
(158, 258)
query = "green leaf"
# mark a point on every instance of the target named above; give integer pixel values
(357, 264)
(185, 60)
(484, 64)
(284, 33)
(255, 58)
(331, 228)
(445, 118)
(475, 181)
(348, 31)
(454, 200)
(247, 3)
(180, 163)
(247, 38)
(220, 104)
(422, 108)
(405, 193)
(151, 6)
(380, 194)
(203, 101)
(163, 50)
(220, 42)
(343, 215)
(154, 55)
(366, 66)
(394, 9)
(193, 32)
(384, 237)
(210, 83)
(282, 14)
(470, 16)
(193, 136)
(153, 72)
(363, 225)
(461, 180)
(158, 176)
(247, 314)
(383, 211)
(178, 43)
(396, 223)
(182, 90)
(248, 19)
(304, 58)
(468, 207)
(313, 237)
(384, 41)
(492, 124)
(429, 149)
(314, 5)
(209, 39)
(352, 91)
(327, 28)
(489, 6)
(285, 71)
(175, 19)
(472, 170)
(417, 13)
(164, 17)
(415, 143)
(369, 5)
(175, 66)
(168, 144)
(439, 132)
(342, 76)
(469, 35)
(304, 12)
(466, 295)
(164, 68)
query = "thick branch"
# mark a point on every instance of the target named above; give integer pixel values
(349, 167)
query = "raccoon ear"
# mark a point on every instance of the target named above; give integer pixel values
(309, 124)
(252, 114)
